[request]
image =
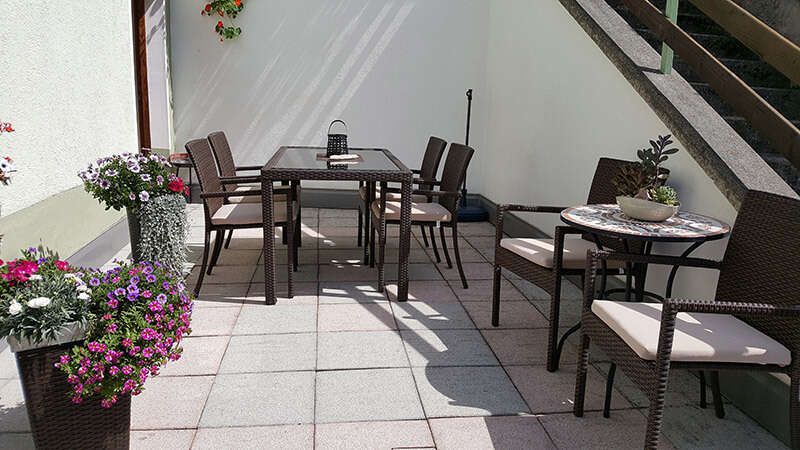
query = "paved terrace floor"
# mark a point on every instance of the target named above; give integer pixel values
(343, 366)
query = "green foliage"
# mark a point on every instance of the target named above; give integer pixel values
(40, 295)
(221, 8)
(640, 178)
(665, 195)
(630, 180)
(652, 158)
(163, 231)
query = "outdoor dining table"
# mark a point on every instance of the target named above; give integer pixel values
(296, 164)
(608, 221)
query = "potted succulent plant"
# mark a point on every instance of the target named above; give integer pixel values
(643, 194)
(153, 197)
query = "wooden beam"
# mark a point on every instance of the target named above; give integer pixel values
(781, 133)
(775, 49)
(140, 72)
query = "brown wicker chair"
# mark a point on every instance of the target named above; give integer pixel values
(427, 171)
(752, 324)
(221, 217)
(428, 213)
(544, 262)
(223, 156)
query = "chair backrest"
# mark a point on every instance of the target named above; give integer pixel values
(454, 172)
(602, 191)
(432, 158)
(222, 154)
(203, 160)
(762, 260)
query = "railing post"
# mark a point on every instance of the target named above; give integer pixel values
(671, 12)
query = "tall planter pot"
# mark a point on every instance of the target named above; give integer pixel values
(57, 423)
(135, 232)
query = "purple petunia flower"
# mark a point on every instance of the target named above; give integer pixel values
(162, 298)
(104, 184)
(94, 282)
(144, 196)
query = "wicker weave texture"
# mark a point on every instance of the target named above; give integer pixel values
(56, 423)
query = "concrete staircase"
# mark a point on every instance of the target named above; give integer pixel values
(769, 83)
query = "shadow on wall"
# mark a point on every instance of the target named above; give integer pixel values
(284, 89)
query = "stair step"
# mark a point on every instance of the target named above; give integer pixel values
(754, 73)
(749, 134)
(784, 168)
(719, 46)
(684, 7)
(786, 101)
(692, 23)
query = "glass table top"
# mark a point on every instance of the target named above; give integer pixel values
(312, 158)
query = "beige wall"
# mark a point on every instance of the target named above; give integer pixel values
(66, 83)
(556, 105)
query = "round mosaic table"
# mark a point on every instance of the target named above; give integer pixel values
(607, 220)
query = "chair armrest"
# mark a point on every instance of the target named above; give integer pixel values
(663, 260)
(423, 192)
(738, 308)
(241, 179)
(502, 209)
(428, 182)
(225, 194)
(248, 168)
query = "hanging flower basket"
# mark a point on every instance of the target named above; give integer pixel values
(225, 10)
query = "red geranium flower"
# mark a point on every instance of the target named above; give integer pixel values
(220, 24)
(62, 265)
(176, 185)
(208, 7)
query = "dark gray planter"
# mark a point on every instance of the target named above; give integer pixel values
(135, 232)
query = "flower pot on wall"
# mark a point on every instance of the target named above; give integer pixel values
(135, 232)
(55, 421)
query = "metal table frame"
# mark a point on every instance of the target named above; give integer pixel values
(271, 173)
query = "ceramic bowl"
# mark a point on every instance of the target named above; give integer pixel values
(641, 209)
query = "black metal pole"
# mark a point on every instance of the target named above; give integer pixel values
(466, 142)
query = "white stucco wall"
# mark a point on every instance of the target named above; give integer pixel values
(395, 71)
(556, 105)
(66, 83)
(158, 84)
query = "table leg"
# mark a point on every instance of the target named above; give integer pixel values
(674, 271)
(269, 242)
(290, 248)
(405, 241)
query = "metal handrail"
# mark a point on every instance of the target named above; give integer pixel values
(767, 120)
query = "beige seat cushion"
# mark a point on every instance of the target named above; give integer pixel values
(540, 252)
(699, 337)
(246, 214)
(362, 192)
(252, 198)
(421, 212)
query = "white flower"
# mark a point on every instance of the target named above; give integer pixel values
(83, 296)
(70, 275)
(35, 277)
(14, 308)
(38, 302)
(82, 288)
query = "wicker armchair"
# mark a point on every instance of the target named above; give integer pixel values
(752, 324)
(427, 171)
(221, 217)
(223, 156)
(544, 262)
(442, 212)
